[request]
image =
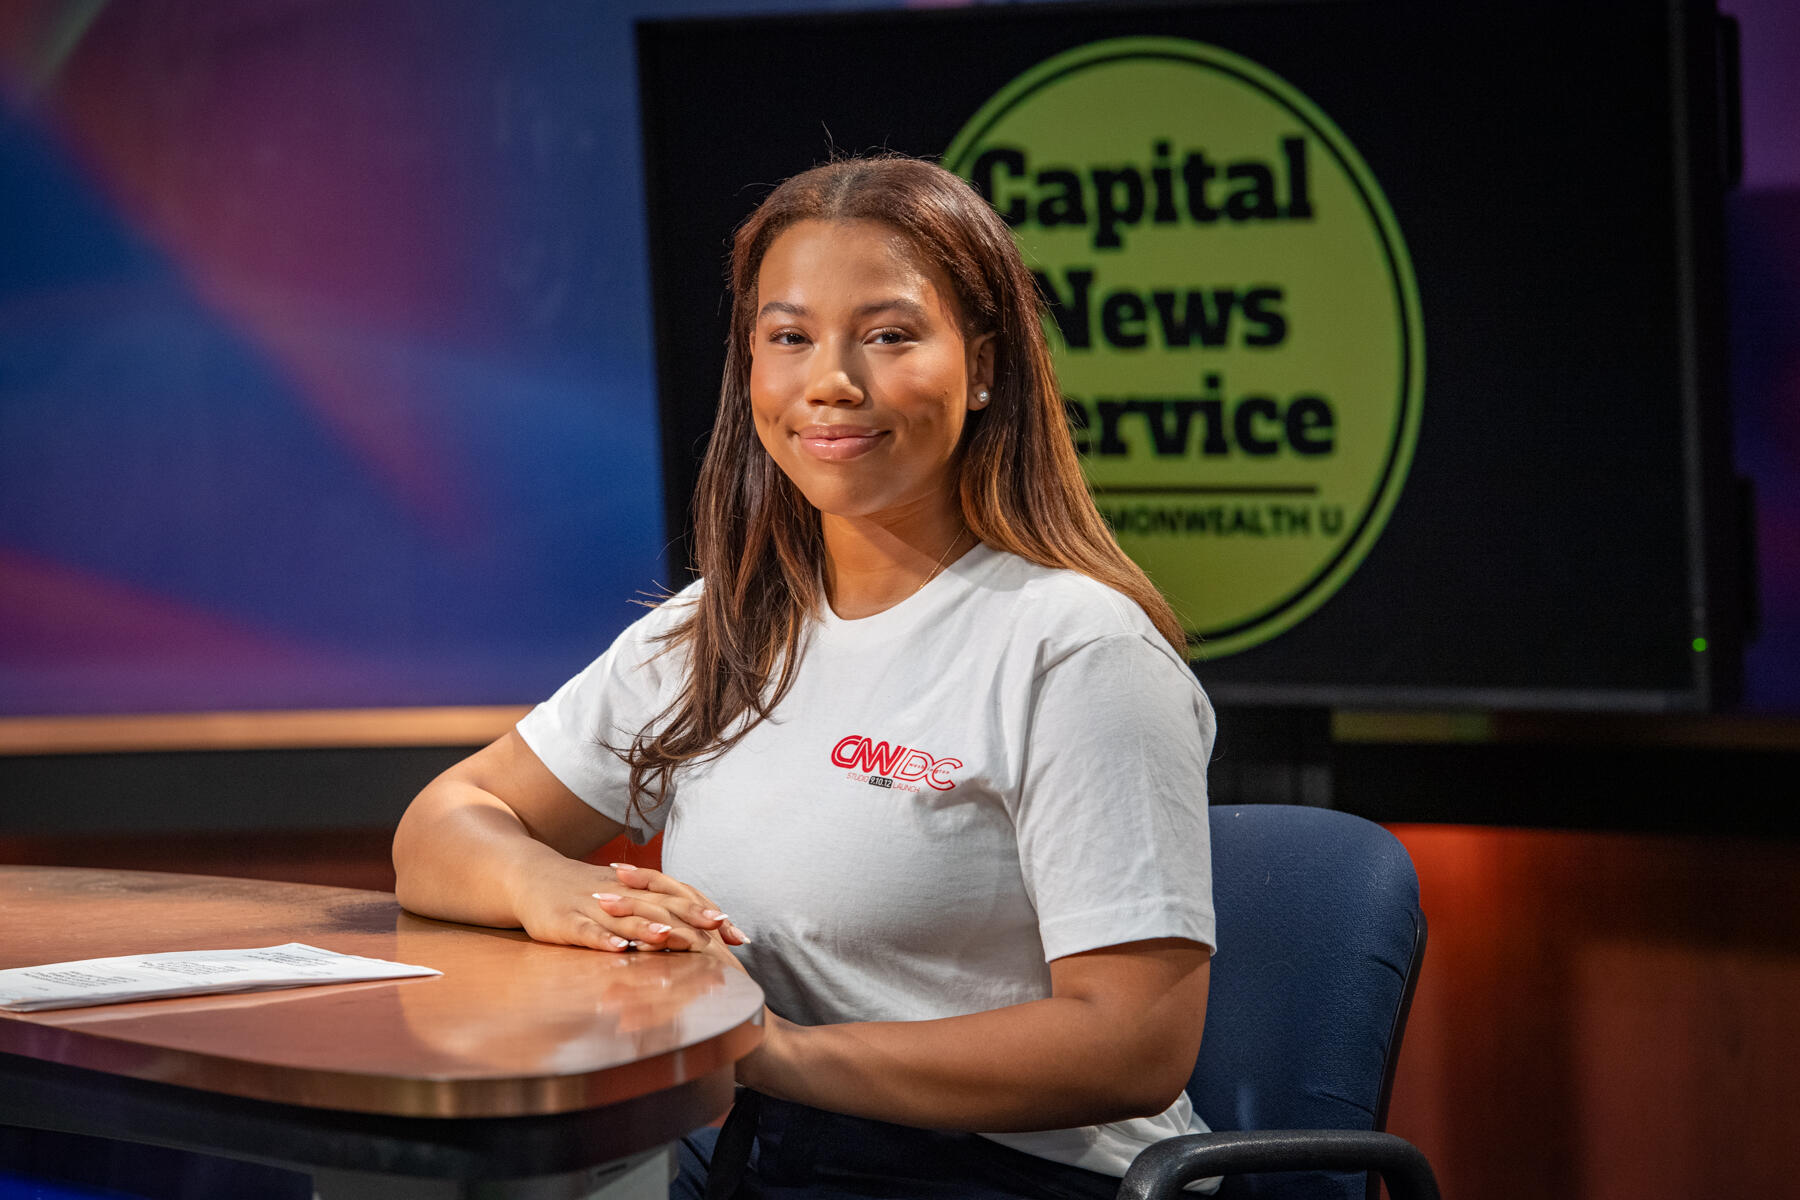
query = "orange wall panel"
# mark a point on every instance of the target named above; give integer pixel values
(1604, 1015)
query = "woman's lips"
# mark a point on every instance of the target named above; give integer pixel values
(836, 443)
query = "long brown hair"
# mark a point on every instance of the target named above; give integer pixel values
(758, 541)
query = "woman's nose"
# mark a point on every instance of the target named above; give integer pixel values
(832, 379)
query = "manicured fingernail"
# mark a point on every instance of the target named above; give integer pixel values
(606, 896)
(713, 914)
(658, 929)
(621, 866)
(741, 935)
(619, 943)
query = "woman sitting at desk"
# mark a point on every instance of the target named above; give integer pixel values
(921, 728)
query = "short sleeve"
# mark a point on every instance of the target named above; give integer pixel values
(577, 730)
(1111, 817)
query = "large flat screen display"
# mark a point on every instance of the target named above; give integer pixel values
(1389, 333)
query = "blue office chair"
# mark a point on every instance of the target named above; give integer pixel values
(1320, 940)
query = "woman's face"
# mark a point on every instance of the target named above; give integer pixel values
(860, 376)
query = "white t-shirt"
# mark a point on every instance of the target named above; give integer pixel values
(1005, 768)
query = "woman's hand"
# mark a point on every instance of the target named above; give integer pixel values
(618, 909)
(673, 913)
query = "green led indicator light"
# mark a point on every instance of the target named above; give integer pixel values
(1699, 645)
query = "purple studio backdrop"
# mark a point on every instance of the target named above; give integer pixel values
(326, 361)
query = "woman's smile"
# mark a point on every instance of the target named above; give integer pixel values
(839, 443)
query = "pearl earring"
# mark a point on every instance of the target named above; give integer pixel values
(981, 398)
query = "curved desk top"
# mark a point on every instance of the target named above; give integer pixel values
(513, 1027)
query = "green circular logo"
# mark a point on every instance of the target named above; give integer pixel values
(1235, 321)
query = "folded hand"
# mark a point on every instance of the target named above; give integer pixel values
(622, 908)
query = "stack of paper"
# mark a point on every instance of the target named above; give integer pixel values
(187, 973)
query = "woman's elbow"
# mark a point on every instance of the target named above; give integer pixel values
(1148, 1093)
(1137, 1081)
(406, 850)
(409, 888)
(423, 845)
(1155, 1068)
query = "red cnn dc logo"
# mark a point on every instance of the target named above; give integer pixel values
(883, 761)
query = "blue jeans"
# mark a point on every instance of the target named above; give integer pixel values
(804, 1153)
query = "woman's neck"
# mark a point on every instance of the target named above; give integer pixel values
(872, 565)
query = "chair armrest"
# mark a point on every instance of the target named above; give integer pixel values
(1161, 1171)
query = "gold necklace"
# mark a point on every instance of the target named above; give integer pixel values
(961, 529)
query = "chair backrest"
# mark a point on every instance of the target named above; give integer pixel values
(1320, 940)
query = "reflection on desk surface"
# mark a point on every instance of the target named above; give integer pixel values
(511, 1026)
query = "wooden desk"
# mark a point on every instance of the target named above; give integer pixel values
(526, 1069)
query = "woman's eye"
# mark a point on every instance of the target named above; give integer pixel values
(889, 337)
(787, 337)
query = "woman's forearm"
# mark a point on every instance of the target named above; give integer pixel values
(458, 851)
(1047, 1064)
(498, 840)
(1115, 1039)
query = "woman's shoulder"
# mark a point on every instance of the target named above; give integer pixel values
(1061, 595)
(645, 641)
(666, 611)
(1063, 610)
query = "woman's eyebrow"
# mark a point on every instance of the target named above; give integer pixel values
(909, 308)
(906, 307)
